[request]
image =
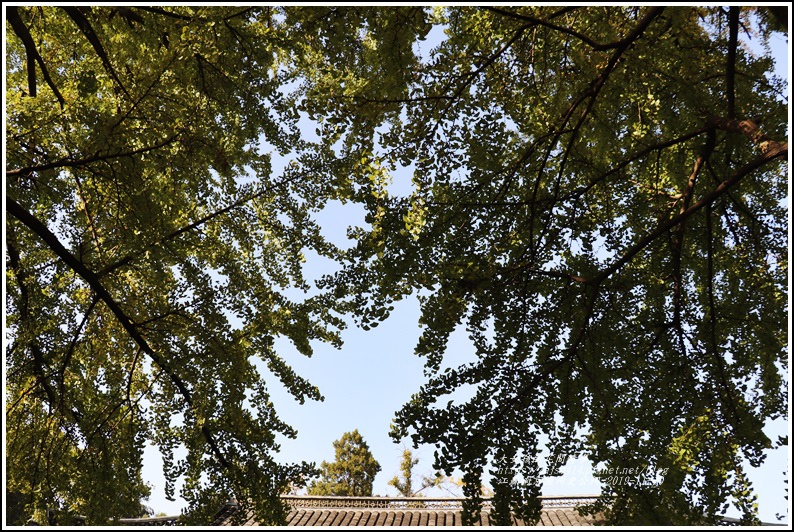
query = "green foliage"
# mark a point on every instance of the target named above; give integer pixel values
(149, 250)
(598, 198)
(353, 471)
(404, 483)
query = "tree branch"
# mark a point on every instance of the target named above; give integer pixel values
(31, 53)
(66, 163)
(712, 313)
(163, 12)
(642, 153)
(780, 150)
(730, 70)
(540, 22)
(72, 345)
(76, 14)
(678, 238)
(591, 93)
(42, 377)
(490, 60)
(201, 221)
(43, 232)
(750, 129)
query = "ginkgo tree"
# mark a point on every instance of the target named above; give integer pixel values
(149, 248)
(598, 199)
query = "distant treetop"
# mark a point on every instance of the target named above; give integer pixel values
(351, 473)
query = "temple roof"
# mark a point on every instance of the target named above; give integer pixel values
(406, 511)
(396, 511)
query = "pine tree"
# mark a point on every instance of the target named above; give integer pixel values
(353, 471)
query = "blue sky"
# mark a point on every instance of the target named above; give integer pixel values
(376, 372)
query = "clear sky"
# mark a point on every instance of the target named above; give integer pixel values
(376, 372)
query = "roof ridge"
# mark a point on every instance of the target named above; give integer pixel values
(418, 503)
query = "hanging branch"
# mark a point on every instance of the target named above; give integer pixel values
(730, 71)
(43, 232)
(32, 54)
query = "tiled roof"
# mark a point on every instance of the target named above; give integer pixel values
(388, 511)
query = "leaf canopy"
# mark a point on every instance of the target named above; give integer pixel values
(598, 198)
(150, 247)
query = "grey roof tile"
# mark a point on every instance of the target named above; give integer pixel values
(416, 512)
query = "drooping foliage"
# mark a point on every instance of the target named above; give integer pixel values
(149, 248)
(597, 196)
(352, 472)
